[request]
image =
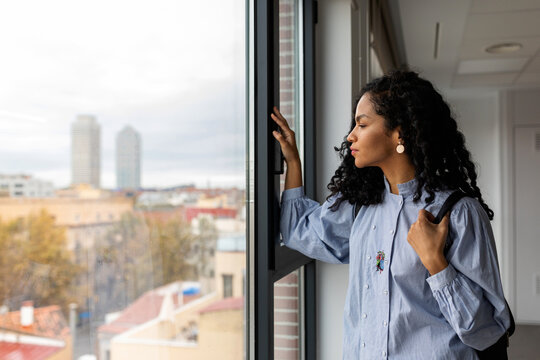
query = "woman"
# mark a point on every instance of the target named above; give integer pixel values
(407, 297)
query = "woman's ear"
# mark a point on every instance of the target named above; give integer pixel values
(396, 134)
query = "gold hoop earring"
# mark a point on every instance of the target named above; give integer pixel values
(400, 148)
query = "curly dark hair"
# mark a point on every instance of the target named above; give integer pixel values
(432, 141)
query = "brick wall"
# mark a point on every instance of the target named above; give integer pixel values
(286, 318)
(286, 300)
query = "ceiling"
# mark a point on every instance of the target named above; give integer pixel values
(466, 29)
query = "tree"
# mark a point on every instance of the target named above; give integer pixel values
(172, 247)
(35, 263)
(139, 255)
(123, 268)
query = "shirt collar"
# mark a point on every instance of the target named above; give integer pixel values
(404, 189)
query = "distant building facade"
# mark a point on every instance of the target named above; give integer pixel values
(20, 185)
(86, 151)
(128, 159)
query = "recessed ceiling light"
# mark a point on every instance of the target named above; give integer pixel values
(504, 48)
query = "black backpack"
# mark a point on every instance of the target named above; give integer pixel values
(496, 351)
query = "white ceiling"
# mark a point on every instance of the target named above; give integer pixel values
(467, 27)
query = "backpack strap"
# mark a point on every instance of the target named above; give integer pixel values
(448, 205)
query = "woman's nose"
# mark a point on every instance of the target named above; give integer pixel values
(350, 137)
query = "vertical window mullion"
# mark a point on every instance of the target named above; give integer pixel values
(264, 179)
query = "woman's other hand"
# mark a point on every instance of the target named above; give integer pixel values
(428, 240)
(287, 141)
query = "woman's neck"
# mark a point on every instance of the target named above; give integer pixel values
(399, 173)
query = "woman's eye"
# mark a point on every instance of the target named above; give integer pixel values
(361, 125)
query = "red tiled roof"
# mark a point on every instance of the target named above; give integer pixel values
(48, 322)
(225, 304)
(145, 308)
(16, 351)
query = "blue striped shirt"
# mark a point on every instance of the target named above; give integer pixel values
(394, 308)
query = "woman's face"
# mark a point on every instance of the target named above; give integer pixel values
(372, 144)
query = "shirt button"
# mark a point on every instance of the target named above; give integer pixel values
(400, 202)
(364, 315)
(369, 257)
(385, 323)
(374, 227)
(363, 344)
(384, 354)
(385, 292)
(366, 286)
(391, 231)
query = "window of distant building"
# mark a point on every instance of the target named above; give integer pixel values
(227, 286)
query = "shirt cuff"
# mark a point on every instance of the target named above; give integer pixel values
(442, 278)
(291, 194)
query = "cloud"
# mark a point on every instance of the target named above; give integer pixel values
(172, 69)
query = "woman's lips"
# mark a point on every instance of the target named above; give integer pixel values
(353, 151)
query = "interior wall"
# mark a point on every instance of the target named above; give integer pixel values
(522, 157)
(477, 117)
(334, 94)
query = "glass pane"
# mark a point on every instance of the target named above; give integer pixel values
(287, 301)
(287, 317)
(290, 71)
(122, 184)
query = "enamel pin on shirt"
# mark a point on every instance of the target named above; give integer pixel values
(380, 261)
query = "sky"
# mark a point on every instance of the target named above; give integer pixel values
(172, 69)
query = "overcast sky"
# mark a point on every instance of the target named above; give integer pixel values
(172, 69)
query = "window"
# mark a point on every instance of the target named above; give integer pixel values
(227, 286)
(132, 116)
(285, 78)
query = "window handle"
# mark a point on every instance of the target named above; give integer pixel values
(279, 159)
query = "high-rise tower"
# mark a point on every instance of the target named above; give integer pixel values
(128, 159)
(85, 151)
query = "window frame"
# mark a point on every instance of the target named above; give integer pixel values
(271, 261)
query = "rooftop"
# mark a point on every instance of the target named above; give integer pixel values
(14, 350)
(145, 308)
(48, 322)
(225, 304)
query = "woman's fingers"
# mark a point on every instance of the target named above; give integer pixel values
(278, 114)
(280, 120)
(281, 123)
(278, 137)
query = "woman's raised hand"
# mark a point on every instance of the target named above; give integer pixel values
(293, 177)
(286, 138)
